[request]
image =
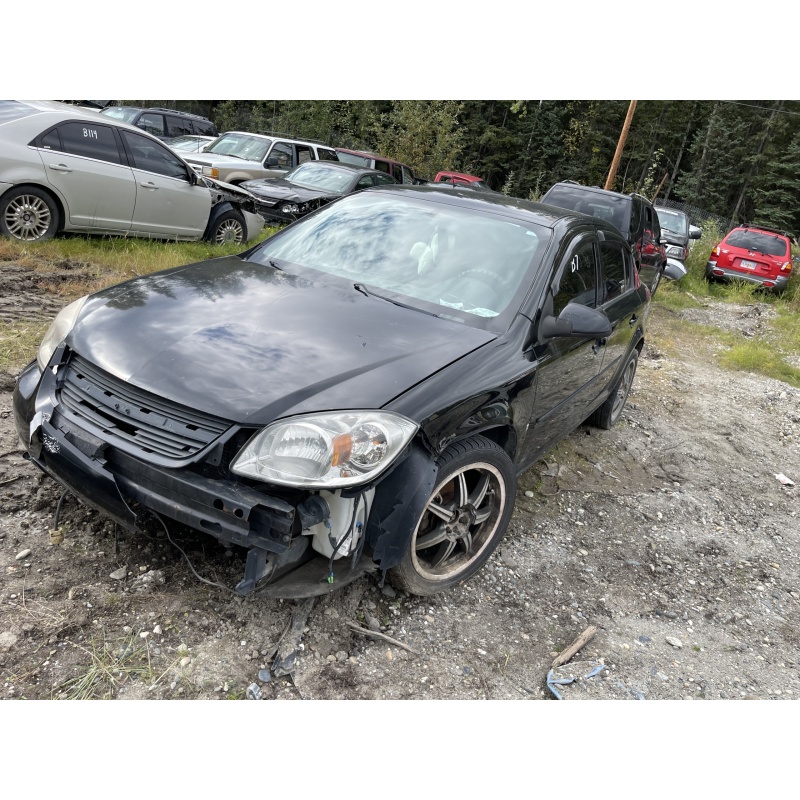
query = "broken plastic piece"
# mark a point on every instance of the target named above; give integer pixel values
(555, 679)
(784, 480)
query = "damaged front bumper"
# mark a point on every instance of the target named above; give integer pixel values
(289, 540)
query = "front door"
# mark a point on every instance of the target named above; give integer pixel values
(168, 205)
(568, 366)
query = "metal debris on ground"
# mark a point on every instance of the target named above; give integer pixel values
(564, 675)
(290, 641)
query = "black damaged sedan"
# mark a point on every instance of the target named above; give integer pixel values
(310, 186)
(357, 393)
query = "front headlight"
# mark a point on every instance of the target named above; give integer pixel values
(211, 172)
(335, 449)
(58, 330)
(290, 208)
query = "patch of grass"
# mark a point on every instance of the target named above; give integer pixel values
(18, 343)
(759, 357)
(117, 257)
(110, 666)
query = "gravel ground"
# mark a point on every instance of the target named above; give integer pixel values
(670, 535)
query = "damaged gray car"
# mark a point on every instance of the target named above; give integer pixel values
(67, 170)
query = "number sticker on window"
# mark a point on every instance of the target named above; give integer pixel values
(89, 133)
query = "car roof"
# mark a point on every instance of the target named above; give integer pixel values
(598, 190)
(495, 202)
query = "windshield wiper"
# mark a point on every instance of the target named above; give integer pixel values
(359, 287)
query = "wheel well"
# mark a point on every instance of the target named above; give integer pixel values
(502, 436)
(46, 190)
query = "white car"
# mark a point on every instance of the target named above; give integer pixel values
(189, 143)
(236, 156)
(64, 169)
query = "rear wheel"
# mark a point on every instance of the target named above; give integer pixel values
(28, 214)
(464, 520)
(229, 228)
(609, 413)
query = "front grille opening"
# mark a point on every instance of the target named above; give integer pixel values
(138, 419)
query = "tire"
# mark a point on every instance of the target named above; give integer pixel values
(28, 214)
(476, 488)
(229, 228)
(609, 413)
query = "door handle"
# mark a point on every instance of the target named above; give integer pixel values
(60, 168)
(598, 344)
(148, 185)
(633, 320)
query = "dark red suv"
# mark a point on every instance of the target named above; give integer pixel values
(755, 254)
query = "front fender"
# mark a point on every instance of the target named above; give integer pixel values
(400, 499)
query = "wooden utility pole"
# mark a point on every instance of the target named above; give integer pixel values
(612, 173)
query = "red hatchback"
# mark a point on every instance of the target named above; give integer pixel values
(755, 254)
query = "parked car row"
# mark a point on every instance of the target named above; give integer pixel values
(65, 169)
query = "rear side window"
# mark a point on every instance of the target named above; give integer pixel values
(178, 126)
(408, 175)
(323, 154)
(613, 273)
(383, 180)
(152, 123)
(304, 154)
(204, 127)
(86, 139)
(383, 166)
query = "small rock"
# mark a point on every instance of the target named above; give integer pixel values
(23, 554)
(529, 493)
(185, 661)
(388, 591)
(674, 641)
(157, 630)
(264, 675)
(119, 574)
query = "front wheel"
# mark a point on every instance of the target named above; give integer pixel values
(464, 520)
(28, 214)
(229, 228)
(609, 413)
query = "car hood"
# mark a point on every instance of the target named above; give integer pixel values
(250, 343)
(280, 189)
(218, 160)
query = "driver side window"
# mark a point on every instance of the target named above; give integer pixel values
(577, 281)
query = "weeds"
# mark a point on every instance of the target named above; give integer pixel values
(108, 669)
(18, 343)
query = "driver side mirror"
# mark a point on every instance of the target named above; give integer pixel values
(695, 232)
(272, 162)
(576, 320)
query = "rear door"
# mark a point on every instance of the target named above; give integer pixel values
(84, 164)
(167, 204)
(620, 301)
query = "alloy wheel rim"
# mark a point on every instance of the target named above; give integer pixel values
(624, 388)
(458, 522)
(230, 232)
(28, 217)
